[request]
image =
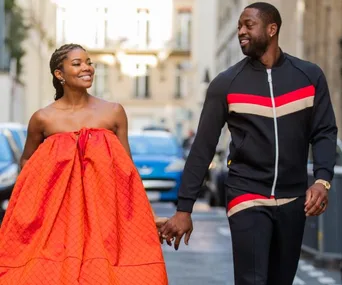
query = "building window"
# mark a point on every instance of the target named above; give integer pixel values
(142, 81)
(101, 27)
(179, 81)
(184, 18)
(100, 84)
(143, 27)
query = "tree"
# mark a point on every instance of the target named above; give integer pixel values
(16, 32)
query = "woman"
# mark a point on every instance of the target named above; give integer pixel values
(79, 213)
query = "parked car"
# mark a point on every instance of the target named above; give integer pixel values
(18, 132)
(9, 166)
(217, 174)
(159, 160)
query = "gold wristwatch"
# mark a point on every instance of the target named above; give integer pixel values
(325, 183)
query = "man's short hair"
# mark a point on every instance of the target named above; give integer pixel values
(268, 13)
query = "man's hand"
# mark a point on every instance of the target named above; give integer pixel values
(176, 227)
(316, 200)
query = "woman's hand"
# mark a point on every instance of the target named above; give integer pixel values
(160, 221)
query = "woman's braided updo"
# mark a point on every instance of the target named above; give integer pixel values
(56, 62)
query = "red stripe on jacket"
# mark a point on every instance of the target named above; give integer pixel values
(236, 98)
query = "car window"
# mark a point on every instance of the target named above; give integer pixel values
(153, 145)
(5, 150)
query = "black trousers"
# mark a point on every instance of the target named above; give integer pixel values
(266, 238)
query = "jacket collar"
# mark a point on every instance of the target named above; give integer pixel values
(258, 65)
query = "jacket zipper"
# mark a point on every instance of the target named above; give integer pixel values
(269, 77)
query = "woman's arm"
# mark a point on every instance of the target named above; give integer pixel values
(121, 127)
(35, 136)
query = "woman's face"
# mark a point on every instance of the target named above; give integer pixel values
(78, 71)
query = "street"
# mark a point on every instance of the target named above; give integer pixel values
(208, 258)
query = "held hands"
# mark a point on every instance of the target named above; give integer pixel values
(177, 226)
(160, 221)
(316, 200)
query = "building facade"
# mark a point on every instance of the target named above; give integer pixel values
(228, 49)
(203, 52)
(40, 16)
(12, 106)
(142, 56)
(323, 45)
(4, 56)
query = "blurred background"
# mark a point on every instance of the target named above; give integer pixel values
(156, 58)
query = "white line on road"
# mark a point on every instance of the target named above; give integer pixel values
(316, 274)
(313, 272)
(298, 281)
(326, 280)
(224, 231)
(307, 267)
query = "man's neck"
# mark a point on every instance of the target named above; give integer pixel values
(270, 57)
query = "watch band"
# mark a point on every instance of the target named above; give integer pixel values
(325, 183)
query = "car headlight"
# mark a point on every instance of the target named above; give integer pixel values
(177, 165)
(9, 176)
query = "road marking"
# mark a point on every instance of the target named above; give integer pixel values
(201, 206)
(316, 274)
(301, 262)
(224, 231)
(313, 272)
(298, 281)
(326, 280)
(307, 267)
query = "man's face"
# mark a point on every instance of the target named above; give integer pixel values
(252, 33)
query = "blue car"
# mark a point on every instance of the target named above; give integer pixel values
(159, 160)
(9, 167)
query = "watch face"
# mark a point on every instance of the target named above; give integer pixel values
(326, 185)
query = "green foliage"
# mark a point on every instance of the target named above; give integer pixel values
(9, 4)
(16, 32)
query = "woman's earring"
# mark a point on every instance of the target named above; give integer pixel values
(63, 81)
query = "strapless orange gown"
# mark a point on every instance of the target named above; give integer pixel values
(79, 215)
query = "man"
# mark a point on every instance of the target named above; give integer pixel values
(275, 105)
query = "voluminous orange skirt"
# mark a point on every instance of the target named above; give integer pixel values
(79, 214)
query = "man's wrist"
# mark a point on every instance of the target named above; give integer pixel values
(185, 205)
(183, 213)
(323, 182)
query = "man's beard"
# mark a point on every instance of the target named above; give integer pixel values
(256, 48)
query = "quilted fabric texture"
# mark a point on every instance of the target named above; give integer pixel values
(79, 215)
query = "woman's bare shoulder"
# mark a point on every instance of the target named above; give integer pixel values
(39, 116)
(115, 107)
(43, 116)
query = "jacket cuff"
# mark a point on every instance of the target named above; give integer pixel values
(185, 205)
(323, 174)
